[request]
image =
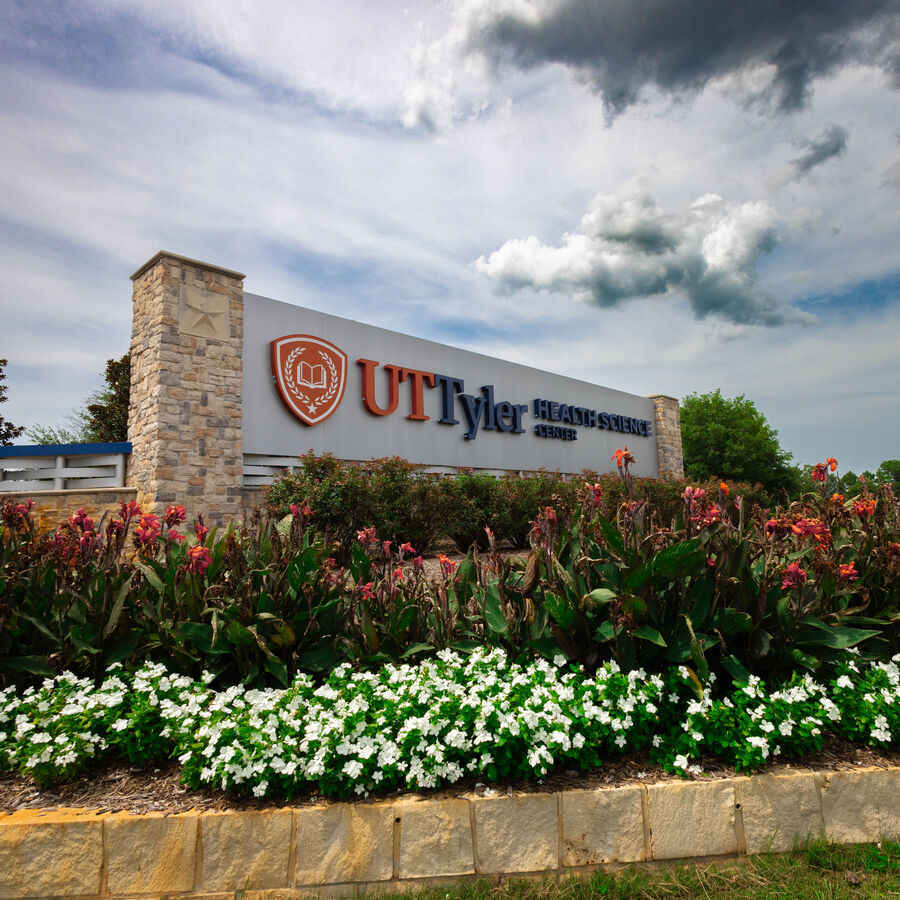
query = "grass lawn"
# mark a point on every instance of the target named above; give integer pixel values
(818, 870)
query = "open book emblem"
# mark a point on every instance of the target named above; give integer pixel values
(310, 374)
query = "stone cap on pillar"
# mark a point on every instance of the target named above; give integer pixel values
(185, 259)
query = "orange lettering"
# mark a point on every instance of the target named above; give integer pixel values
(368, 387)
(417, 380)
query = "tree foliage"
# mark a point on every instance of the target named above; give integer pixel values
(8, 431)
(104, 417)
(730, 438)
(107, 413)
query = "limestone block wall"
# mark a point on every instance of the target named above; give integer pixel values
(355, 849)
(184, 420)
(668, 436)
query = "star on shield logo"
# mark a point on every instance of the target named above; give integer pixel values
(310, 374)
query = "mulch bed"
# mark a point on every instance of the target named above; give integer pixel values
(111, 787)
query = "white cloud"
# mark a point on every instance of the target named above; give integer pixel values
(626, 246)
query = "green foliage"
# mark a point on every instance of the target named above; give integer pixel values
(107, 411)
(104, 417)
(731, 439)
(720, 588)
(405, 503)
(8, 431)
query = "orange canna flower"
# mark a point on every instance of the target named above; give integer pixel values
(831, 462)
(724, 488)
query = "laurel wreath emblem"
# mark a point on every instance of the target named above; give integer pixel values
(311, 404)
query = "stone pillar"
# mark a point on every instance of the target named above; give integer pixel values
(184, 419)
(668, 436)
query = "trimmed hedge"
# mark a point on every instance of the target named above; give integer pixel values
(404, 502)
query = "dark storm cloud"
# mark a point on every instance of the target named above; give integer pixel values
(830, 143)
(677, 46)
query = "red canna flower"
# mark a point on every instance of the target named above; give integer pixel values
(366, 590)
(794, 576)
(447, 565)
(864, 508)
(847, 572)
(819, 472)
(406, 548)
(366, 536)
(201, 531)
(174, 515)
(398, 574)
(175, 536)
(199, 560)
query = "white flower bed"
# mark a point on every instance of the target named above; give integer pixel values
(429, 725)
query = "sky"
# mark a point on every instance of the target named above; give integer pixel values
(657, 196)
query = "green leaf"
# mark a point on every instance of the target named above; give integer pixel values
(493, 611)
(277, 669)
(35, 665)
(838, 638)
(413, 649)
(647, 633)
(559, 609)
(465, 646)
(123, 648)
(116, 610)
(737, 671)
(601, 595)
(733, 621)
(150, 575)
(318, 659)
(604, 632)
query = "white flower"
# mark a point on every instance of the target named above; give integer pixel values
(680, 761)
(844, 682)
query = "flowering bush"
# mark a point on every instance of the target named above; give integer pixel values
(429, 725)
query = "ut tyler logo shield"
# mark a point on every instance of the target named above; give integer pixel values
(310, 374)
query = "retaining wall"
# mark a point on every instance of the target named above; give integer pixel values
(52, 507)
(349, 849)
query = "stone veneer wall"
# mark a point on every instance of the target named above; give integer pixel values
(53, 507)
(184, 420)
(668, 436)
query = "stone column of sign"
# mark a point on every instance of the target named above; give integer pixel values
(668, 436)
(184, 418)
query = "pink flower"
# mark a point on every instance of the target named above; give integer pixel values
(793, 576)
(174, 515)
(82, 520)
(366, 590)
(147, 530)
(366, 536)
(199, 560)
(130, 510)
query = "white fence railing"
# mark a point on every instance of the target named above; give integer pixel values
(261, 468)
(63, 467)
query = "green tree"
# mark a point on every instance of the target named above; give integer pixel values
(103, 418)
(730, 438)
(107, 413)
(8, 431)
(889, 473)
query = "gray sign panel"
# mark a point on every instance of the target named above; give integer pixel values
(453, 408)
